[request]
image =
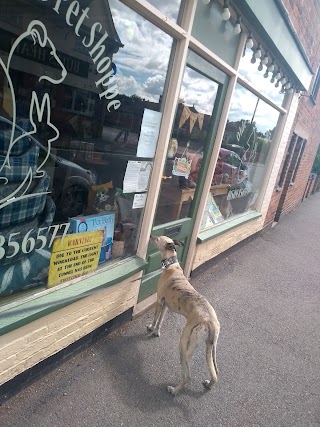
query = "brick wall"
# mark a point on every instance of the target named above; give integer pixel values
(23, 348)
(305, 17)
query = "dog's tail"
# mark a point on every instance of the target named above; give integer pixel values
(211, 352)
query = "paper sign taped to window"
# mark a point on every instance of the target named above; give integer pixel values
(139, 200)
(149, 133)
(137, 176)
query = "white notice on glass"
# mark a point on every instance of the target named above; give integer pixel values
(139, 200)
(149, 133)
(136, 178)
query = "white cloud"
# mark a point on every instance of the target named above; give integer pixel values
(198, 91)
(154, 84)
(127, 84)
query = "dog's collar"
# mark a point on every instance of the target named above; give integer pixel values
(169, 261)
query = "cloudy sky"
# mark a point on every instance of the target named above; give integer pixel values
(242, 107)
(142, 67)
(142, 62)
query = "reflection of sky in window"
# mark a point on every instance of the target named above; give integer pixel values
(198, 91)
(142, 62)
(251, 73)
(243, 105)
(169, 7)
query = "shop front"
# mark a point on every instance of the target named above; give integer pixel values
(118, 120)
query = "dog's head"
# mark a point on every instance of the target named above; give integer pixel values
(166, 246)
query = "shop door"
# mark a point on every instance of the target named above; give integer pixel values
(188, 156)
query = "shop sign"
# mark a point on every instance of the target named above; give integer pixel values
(27, 243)
(73, 256)
(237, 193)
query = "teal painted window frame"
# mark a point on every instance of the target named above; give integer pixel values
(226, 226)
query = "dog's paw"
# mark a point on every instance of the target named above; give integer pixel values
(172, 390)
(154, 332)
(207, 384)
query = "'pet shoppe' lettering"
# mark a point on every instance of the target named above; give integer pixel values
(97, 50)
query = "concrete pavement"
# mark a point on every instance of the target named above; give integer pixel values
(267, 297)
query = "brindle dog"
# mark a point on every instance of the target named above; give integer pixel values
(175, 292)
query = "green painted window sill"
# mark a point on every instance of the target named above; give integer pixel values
(24, 311)
(225, 226)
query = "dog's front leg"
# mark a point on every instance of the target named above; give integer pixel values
(156, 330)
(158, 317)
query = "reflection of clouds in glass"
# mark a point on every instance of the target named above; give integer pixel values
(198, 91)
(251, 73)
(145, 55)
(243, 105)
(127, 84)
(154, 84)
(169, 7)
(266, 117)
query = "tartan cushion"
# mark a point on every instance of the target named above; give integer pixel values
(21, 210)
(21, 145)
(20, 164)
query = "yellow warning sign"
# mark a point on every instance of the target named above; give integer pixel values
(74, 256)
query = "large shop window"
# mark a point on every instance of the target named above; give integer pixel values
(191, 133)
(81, 87)
(242, 159)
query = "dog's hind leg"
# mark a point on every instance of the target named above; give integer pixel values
(211, 355)
(190, 338)
(159, 313)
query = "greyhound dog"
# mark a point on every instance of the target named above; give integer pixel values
(175, 292)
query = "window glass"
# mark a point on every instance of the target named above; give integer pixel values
(261, 80)
(169, 7)
(242, 160)
(81, 88)
(215, 33)
(191, 131)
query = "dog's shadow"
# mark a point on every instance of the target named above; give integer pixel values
(136, 370)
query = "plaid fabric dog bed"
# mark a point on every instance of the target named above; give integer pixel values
(24, 209)
(20, 164)
(5, 134)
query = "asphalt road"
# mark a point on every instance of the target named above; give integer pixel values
(267, 297)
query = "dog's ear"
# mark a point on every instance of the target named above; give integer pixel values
(178, 243)
(170, 246)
